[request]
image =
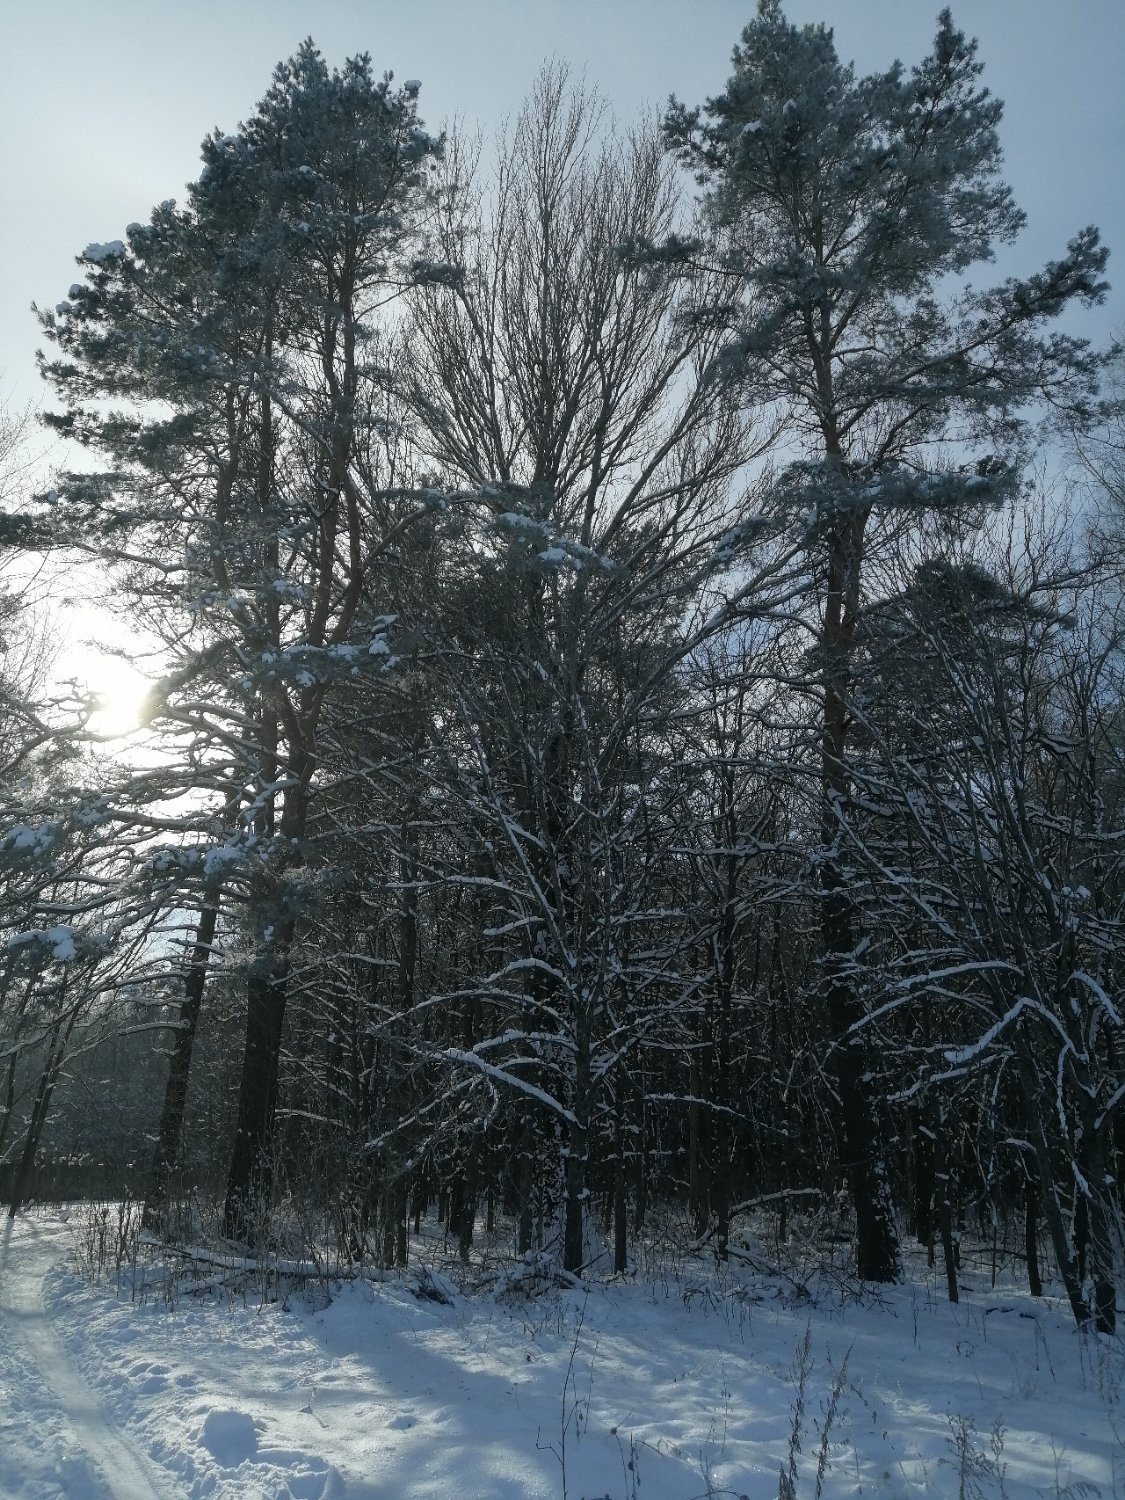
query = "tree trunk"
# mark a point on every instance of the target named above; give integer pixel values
(179, 1068)
(620, 1190)
(876, 1237)
(578, 1149)
(468, 1214)
(922, 1153)
(1031, 1247)
(696, 1197)
(943, 1181)
(52, 1066)
(402, 1224)
(640, 1154)
(525, 1177)
(396, 1223)
(726, 967)
(1094, 1189)
(250, 1181)
(9, 1096)
(1037, 1112)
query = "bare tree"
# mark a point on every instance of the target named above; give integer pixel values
(564, 383)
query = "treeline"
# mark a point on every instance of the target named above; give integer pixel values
(626, 730)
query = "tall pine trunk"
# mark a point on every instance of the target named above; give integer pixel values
(863, 1158)
(168, 1137)
(250, 1180)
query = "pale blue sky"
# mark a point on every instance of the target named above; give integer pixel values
(103, 106)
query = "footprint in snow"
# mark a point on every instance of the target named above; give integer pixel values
(148, 1378)
(229, 1437)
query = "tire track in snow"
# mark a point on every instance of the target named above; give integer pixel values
(87, 1431)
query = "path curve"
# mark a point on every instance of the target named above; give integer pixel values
(78, 1433)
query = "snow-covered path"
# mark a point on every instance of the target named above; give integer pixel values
(56, 1438)
(686, 1379)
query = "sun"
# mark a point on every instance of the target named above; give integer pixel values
(119, 691)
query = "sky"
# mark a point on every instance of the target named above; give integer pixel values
(103, 107)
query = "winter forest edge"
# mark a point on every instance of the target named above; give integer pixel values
(635, 732)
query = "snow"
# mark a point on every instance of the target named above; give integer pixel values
(515, 520)
(103, 252)
(56, 1436)
(229, 1437)
(512, 1081)
(682, 1377)
(29, 838)
(60, 940)
(92, 814)
(220, 857)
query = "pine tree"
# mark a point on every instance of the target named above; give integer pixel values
(841, 209)
(241, 341)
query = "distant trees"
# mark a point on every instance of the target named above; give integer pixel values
(47, 958)
(990, 844)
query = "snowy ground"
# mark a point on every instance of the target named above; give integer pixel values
(668, 1388)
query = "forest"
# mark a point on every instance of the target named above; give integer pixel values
(634, 628)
